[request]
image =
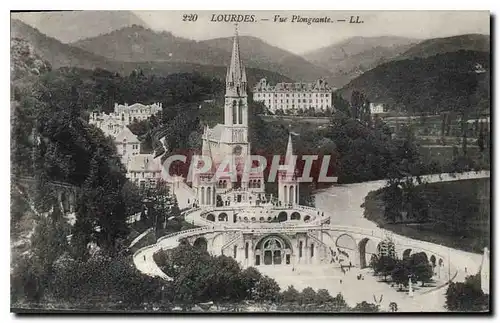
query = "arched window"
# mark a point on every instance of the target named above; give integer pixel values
(273, 251)
(246, 250)
(209, 190)
(312, 250)
(202, 195)
(235, 112)
(300, 249)
(235, 251)
(240, 112)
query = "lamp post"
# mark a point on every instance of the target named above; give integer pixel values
(410, 287)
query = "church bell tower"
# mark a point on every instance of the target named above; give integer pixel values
(236, 112)
(236, 105)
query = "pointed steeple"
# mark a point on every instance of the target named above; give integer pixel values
(236, 77)
(289, 149)
(206, 150)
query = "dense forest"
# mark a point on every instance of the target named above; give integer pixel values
(456, 214)
(453, 81)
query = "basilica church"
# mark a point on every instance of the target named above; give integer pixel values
(228, 144)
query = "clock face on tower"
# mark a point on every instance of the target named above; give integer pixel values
(237, 150)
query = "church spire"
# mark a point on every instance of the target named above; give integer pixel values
(289, 149)
(236, 77)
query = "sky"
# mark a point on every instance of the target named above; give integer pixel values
(300, 37)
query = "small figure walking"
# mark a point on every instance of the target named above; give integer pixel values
(465, 269)
(341, 281)
(144, 258)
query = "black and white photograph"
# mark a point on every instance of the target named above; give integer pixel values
(220, 162)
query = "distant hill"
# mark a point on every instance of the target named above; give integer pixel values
(139, 44)
(70, 26)
(356, 55)
(55, 52)
(259, 54)
(59, 55)
(167, 68)
(433, 84)
(430, 47)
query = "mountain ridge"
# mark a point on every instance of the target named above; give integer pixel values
(59, 55)
(143, 44)
(349, 58)
(428, 85)
(441, 45)
(79, 24)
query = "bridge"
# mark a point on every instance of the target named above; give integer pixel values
(346, 233)
(66, 193)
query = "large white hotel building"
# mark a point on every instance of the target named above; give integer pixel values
(294, 96)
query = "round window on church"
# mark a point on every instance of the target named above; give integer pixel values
(237, 150)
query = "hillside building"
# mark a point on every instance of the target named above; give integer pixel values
(144, 170)
(290, 97)
(377, 108)
(122, 116)
(127, 145)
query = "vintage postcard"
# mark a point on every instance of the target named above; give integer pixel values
(240, 161)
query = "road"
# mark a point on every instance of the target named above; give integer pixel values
(343, 205)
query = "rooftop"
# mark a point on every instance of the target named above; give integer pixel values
(144, 163)
(319, 85)
(126, 136)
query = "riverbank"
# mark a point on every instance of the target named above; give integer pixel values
(453, 214)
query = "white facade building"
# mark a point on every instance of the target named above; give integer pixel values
(144, 170)
(294, 96)
(127, 145)
(376, 108)
(115, 125)
(122, 116)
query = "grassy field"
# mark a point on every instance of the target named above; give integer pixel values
(459, 214)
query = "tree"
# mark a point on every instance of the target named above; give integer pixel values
(162, 208)
(423, 272)
(291, 295)
(400, 273)
(365, 307)
(49, 243)
(466, 297)
(132, 198)
(339, 304)
(383, 265)
(420, 267)
(308, 296)
(266, 289)
(27, 281)
(323, 297)
(249, 278)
